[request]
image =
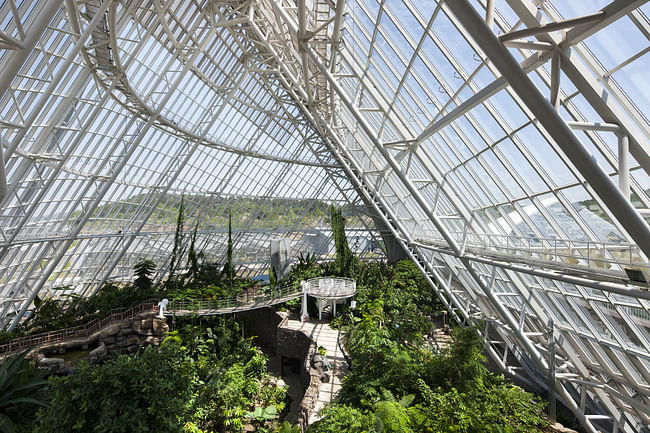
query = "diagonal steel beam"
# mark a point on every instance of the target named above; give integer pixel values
(551, 27)
(611, 13)
(550, 119)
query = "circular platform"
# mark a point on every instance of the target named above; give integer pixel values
(331, 288)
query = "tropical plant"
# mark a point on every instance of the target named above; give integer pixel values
(150, 391)
(346, 263)
(340, 418)
(21, 392)
(177, 251)
(143, 272)
(228, 269)
(285, 427)
(192, 256)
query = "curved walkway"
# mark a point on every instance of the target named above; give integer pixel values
(323, 335)
(233, 304)
(225, 305)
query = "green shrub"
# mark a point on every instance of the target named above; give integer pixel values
(21, 392)
(148, 392)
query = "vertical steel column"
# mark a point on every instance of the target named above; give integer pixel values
(552, 400)
(624, 164)
(556, 127)
(489, 13)
(3, 174)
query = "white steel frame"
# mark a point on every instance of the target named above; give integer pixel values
(507, 160)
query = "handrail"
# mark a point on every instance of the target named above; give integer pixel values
(242, 300)
(81, 331)
(331, 287)
(596, 255)
(225, 304)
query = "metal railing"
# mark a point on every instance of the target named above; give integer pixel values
(331, 287)
(242, 301)
(77, 332)
(593, 255)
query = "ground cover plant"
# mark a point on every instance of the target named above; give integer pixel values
(396, 384)
(205, 377)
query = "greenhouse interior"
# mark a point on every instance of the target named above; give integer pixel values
(325, 216)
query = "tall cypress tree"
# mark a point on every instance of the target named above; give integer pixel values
(345, 260)
(178, 240)
(192, 257)
(228, 270)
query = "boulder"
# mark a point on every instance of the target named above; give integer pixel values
(111, 329)
(143, 326)
(126, 323)
(144, 316)
(125, 331)
(55, 365)
(324, 378)
(109, 340)
(131, 341)
(317, 361)
(98, 354)
(160, 326)
(154, 341)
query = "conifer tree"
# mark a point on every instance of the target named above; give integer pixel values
(178, 241)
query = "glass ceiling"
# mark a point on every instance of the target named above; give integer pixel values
(504, 144)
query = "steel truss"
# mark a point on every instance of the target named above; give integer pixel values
(488, 141)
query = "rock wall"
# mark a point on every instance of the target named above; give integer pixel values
(296, 344)
(262, 323)
(125, 336)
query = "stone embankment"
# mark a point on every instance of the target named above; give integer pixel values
(124, 336)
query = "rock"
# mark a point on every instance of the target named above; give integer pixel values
(98, 354)
(143, 326)
(160, 327)
(126, 323)
(131, 341)
(108, 340)
(144, 316)
(155, 341)
(317, 361)
(125, 331)
(111, 329)
(55, 365)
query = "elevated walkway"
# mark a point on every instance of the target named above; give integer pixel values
(223, 305)
(321, 333)
(605, 261)
(232, 304)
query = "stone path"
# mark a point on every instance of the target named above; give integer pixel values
(328, 338)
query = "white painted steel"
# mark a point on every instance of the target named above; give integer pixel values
(390, 108)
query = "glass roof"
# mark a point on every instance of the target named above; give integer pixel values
(439, 121)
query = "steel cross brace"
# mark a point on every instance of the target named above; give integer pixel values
(530, 347)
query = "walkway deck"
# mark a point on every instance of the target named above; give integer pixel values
(327, 337)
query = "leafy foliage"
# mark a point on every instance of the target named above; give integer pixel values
(396, 385)
(228, 269)
(21, 392)
(150, 391)
(346, 263)
(205, 378)
(143, 272)
(192, 256)
(341, 418)
(177, 251)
